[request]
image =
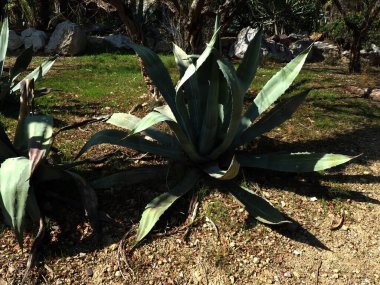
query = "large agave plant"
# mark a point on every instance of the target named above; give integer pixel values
(208, 124)
(9, 83)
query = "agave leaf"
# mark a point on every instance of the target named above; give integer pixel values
(182, 60)
(37, 73)
(157, 72)
(237, 105)
(4, 34)
(274, 88)
(160, 204)
(149, 120)
(257, 206)
(36, 134)
(21, 64)
(275, 117)
(247, 69)
(14, 188)
(191, 90)
(216, 172)
(121, 138)
(210, 119)
(129, 122)
(130, 177)
(293, 162)
(202, 58)
(185, 143)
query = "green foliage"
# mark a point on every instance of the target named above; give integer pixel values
(337, 30)
(204, 112)
(9, 84)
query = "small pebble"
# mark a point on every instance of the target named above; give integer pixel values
(11, 269)
(82, 254)
(89, 272)
(288, 274)
(313, 199)
(117, 273)
(256, 260)
(297, 252)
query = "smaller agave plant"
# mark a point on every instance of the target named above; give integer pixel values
(9, 83)
(208, 124)
(24, 169)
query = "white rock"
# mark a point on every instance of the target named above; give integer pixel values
(68, 39)
(244, 37)
(118, 41)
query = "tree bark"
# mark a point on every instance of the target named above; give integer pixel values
(371, 11)
(355, 61)
(42, 14)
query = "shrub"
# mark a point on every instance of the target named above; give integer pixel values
(9, 84)
(204, 112)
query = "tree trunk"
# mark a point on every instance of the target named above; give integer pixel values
(42, 14)
(355, 62)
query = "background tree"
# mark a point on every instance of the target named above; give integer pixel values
(358, 17)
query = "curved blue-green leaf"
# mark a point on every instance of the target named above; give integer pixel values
(208, 134)
(191, 90)
(154, 210)
(274, 88)
(202, 58)
(215, 171)
(247, 69)
(186, 144)
(293, 162)
(148, 121)
(237, 95)
(4, 35)
(257, 206)
(157, 72)
(37, 73)
(14, 188)
(120, 138)
(130, 177)
(129, 122)
(182, 59)
(275, 117)
(35, 135)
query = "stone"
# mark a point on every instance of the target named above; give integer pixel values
(375, 95)
(375, 48)
(14, 41)
(244, 37)
(118, 41)
(298, 46)
(373, 58)
(33, 38)
(295, 37)
(68, 38)
(276, 51)
(317, 36)
(288, 274)
(329, 52)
